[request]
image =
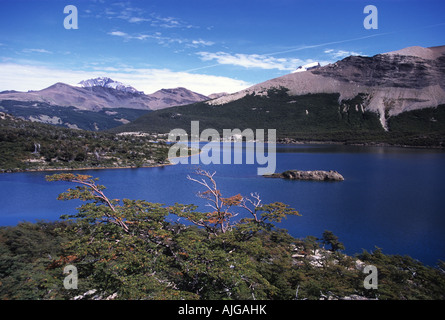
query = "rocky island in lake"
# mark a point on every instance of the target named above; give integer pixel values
(316, 175)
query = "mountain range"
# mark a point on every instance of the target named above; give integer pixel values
(96, 104)
(396, 97)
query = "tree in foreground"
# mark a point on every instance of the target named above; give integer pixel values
(121, 247)
(129, 248)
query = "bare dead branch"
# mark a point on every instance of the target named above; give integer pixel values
(99, 194)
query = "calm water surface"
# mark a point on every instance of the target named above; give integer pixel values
(392, 198)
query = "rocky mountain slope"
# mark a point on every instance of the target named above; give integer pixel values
(394, 82)
(165, 98)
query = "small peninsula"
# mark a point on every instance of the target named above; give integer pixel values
(315, 175)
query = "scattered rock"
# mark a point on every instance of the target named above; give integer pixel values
(316, 175)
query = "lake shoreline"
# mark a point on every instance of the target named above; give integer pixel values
(94, 168)
(85, 168)
(290, 141)
(357, 144)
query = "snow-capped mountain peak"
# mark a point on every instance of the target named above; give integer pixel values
(307, 67)
(108, 83)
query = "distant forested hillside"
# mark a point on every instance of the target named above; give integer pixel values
(312, 117)
(26, 145)
(70, 117)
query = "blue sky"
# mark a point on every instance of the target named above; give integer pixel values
(204, 45)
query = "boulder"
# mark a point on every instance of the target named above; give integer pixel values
(315, 175)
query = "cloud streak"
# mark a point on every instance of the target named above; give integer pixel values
(267, 61)
(36, 51)
(327, 44)
(163, 40)
(23, 77)
(340, 54)
(125, 11)
(253, 60)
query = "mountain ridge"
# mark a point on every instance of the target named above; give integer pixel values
(354, 75)
(96, 104)
(96, 97)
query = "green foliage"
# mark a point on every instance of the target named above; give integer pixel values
(330, 239)
(131, 249)
(128, 247)
(403, 278)
(423, 121)
(26, 250)
(27, 145)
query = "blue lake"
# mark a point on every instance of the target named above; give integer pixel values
(392, 198)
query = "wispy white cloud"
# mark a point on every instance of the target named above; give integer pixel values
(119, 34)
(127, 36)
(126, 11)
(36, 51)
(23, 77)
(201, 42)
(162, 39)
(165, 22)
(157, 20)
(160, 26)
(340, 54)
(253, 60)
(156, 36)
(137, 19)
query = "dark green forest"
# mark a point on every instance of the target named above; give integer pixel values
(136, 249)
(311, 117)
